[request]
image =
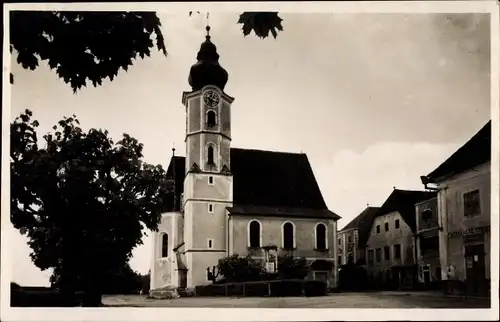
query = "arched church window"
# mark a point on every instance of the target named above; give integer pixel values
(164, 245)
(288, 235)
(211, 118)
(254, 234)
(321, 236)
(210, 155)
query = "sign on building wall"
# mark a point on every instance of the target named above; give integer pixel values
(470, 231)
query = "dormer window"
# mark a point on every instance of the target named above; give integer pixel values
(211, 118)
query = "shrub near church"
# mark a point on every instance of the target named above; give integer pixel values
(243, 276)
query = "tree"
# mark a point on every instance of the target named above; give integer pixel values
(88, 47)
(240, 269)
(122, 280)
(290, 267)
(82, 200)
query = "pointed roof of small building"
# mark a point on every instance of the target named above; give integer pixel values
(354, 224)
(363, 223)
(403, 201)
(473, 153)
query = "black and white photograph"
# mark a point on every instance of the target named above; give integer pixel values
(272, 157)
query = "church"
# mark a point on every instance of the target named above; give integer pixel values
(229, 201)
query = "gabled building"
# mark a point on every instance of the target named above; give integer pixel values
(232, 201)
(463, 183)
(390, 245)
(427, 242)
(352, 238)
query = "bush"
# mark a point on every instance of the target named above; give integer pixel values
(146, 279)
(235, 289)
(286, 288)
(353, 277)
(256, 288)
(277, 288)
(41, 298)
(240, 269)
(290, 267)
(211, 290)
(314, 288)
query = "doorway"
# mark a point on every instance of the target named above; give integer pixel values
(321, 276)
(475, 268)
(427, 277)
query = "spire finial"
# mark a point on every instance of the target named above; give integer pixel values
(207, 28)
(173, 150)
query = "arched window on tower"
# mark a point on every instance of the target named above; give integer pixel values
(210, 155)
(254, 234)
(164, 245)
(321, 243)
(211, 118)
(288, 236)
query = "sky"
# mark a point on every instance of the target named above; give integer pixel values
(374, 100)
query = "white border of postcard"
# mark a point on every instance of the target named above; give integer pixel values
(223, 314)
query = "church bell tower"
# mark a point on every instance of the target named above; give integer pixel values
(208, 185)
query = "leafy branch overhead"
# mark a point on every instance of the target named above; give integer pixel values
(84, 46)
(261, 23)
(88, 47)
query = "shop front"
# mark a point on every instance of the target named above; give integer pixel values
(469, 259)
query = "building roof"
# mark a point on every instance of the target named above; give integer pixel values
(282, 211)
(473, 153)
(266, 182)
(354, 224)
(363, 222)
(403, 201)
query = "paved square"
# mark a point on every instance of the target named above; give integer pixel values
(337, 300)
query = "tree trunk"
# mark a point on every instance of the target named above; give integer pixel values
(67, 287)
(92, 296)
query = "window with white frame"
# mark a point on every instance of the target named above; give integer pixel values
(211, 118)
(472, 203)
(288, 235)
(321, 237)
(210, 180)
(210, 243)
(164, 245)
(211, 208)
(254, 234)
(210, 155)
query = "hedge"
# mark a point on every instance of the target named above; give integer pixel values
(41, 298)
(275, 288)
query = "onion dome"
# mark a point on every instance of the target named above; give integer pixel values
(207, 70)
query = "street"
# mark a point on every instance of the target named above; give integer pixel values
(337, 300)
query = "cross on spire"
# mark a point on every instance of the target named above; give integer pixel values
(207, 28)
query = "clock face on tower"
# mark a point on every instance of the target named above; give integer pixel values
(211, 98)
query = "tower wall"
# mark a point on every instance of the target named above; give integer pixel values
(207, 188)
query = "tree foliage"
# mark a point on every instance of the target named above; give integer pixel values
(240, 269)
(88, 47)
(122, 280)
(81, 199)
(261, 23)
(84, 46)
(290, 267)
